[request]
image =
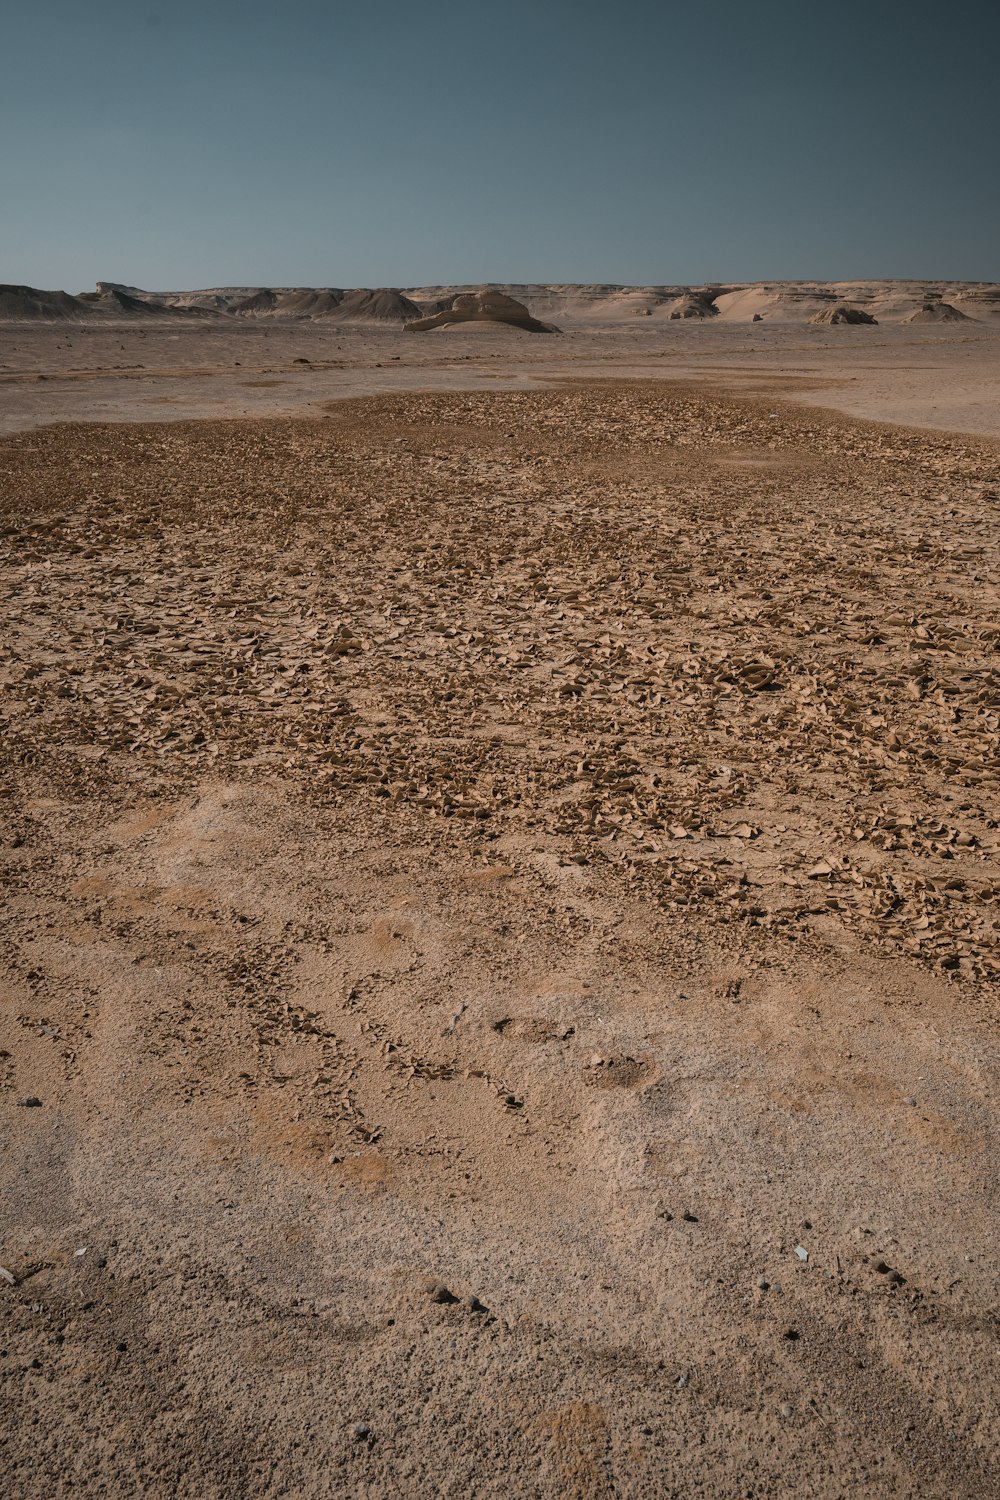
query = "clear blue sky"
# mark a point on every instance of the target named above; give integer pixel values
(176, 145)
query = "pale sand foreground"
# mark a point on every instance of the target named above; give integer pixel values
(501, 924)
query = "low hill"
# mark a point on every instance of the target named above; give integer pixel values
(115, 303)
(841, 312)
(385, 304)
(486, 306)
(303, 302)
(938, 312)
(26, 304)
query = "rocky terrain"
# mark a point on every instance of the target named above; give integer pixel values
(500, 950)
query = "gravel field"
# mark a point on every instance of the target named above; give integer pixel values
(500, 943)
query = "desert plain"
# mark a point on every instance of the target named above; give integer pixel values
(500, 911)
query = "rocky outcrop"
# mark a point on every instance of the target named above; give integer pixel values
(842, 312)
(694, 305)
(487, 306)
(385, 304)
(26, 304)
(938, 312)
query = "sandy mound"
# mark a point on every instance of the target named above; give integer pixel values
(938, 312)
(486, 306)
(20, 304)
(842, 313)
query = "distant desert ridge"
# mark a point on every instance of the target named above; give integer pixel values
(535, 307)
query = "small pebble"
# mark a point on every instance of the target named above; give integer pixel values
(786, 1410)
(121, 1346)
(801, 1252)
(689, 1218)
(762, 1283)
(31, 1102)
(361, 1430)
(911, 1102)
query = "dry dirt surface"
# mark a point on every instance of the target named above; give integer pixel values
(500, 954)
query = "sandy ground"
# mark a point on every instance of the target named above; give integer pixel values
(500, 942)
(946, 378)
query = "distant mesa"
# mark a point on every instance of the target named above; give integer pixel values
(842, 312)
(935, 311)
(486, 306)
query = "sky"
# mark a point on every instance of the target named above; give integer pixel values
(181, 145)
